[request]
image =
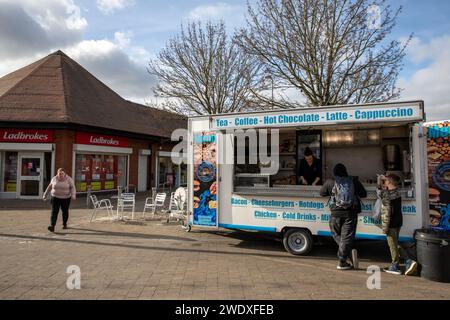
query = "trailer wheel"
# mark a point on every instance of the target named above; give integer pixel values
(298, 241)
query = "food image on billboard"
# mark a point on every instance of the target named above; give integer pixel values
(438, 150)
(205, 179)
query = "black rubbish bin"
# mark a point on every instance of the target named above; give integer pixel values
(433, 254)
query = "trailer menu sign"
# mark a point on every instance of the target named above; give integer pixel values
(321, 116)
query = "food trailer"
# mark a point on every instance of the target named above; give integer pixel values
(244, 168)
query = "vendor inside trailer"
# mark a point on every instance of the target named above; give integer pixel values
(310, 169)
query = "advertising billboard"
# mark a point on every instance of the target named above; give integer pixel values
(205, 179)
(438, 147)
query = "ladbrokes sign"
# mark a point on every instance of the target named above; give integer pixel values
(101, 140)
(26, 136)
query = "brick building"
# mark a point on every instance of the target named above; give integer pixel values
(54, 113)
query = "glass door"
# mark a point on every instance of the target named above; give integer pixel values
(30, 176)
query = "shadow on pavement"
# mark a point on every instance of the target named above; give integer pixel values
(19, 204)
(80, 203)
(143, 247)
(369, 250)
(324, 247)
(94, 232)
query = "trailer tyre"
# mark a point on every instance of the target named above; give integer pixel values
(298, 241)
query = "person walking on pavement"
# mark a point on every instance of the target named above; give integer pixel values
(345, 192)
(62, 190)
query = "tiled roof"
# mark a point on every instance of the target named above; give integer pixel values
(57, 89)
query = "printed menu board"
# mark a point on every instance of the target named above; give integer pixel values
(438, 143)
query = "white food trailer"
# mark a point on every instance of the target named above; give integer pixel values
(369, 139)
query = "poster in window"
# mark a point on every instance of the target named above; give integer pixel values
(81, 186)
(205, 179)
(109, 185)
(95, 186)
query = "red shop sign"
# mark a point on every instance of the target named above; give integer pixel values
(26, 135)
(101, 140)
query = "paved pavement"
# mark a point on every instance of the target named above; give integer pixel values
(155, 260)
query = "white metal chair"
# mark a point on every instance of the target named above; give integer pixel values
(104, 204)
(120, 190)
(173, 204)
(126, 201)
(177, 204)
(154, 204)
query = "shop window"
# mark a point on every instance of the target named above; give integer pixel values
(170, 174)
(10, 172)
(100, 172)
(167, 172)
(122, 171)
(82, 171)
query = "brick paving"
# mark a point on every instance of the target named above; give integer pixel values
(156, 260)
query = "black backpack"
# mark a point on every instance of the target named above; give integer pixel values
(343, 196)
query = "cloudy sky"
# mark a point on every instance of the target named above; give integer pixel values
(114, 39)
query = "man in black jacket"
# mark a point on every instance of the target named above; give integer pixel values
(345, 193)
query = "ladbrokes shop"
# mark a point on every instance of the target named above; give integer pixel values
(55, 114)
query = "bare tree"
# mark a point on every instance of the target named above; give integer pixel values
(203, 71)
(333, 51)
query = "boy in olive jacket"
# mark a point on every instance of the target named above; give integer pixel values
(391, 223)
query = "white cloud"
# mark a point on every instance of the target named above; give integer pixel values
(29, 30)
(54, 14)
(35, 26)
(231, 14)
(123, 39)
(431, 82)
(109, 6)
(123, 69)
